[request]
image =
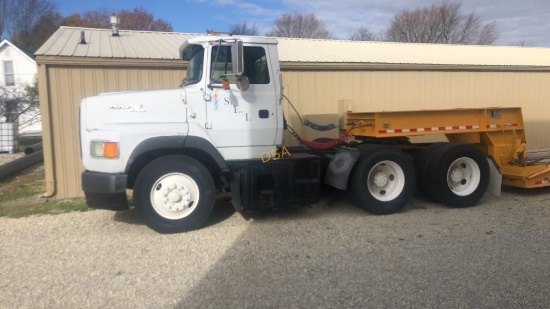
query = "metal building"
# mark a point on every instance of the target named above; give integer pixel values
(317, 74)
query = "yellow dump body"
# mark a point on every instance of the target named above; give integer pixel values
(498, 132)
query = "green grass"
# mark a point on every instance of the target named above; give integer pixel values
(45, 207)
(25, 141)
(20, 196)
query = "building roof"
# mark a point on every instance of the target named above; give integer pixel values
(99, 43)
(27, 54)
(65, 42)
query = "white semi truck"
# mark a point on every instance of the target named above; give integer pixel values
(177, 148)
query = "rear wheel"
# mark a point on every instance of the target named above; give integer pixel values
(460, 177)
(383, 180)
(174, 194)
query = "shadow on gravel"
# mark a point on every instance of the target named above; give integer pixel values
(222, 211)
(335, 255)
(127, 216)
(527, 192)
(331, 202)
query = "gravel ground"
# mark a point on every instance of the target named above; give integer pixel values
(495, 255)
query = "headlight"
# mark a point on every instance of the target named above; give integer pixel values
(103, 149)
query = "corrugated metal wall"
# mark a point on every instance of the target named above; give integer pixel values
(66, 87)
(312, 92)
(319, 92)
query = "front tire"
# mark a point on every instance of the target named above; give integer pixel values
(383, 180)
(174, 194)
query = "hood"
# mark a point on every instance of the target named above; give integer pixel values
(159, 106)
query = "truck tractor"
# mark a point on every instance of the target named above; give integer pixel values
(222, 131)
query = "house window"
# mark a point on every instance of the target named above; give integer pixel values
(9, 76)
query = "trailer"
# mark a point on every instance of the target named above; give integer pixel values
(222, 130)
(498, 132)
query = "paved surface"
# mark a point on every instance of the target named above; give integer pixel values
(332, 255)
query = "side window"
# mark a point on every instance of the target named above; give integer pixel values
(221, 64)
(255, 65)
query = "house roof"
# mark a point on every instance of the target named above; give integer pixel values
(23, 52)
(65, 42)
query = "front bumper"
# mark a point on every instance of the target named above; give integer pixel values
(105, 190)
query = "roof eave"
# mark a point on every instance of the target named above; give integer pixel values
(120, 62)
(356, 66)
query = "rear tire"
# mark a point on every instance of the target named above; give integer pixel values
(460, 177)
(383, 180)
(174, 194)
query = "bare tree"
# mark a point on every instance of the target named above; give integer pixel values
(137, 19)
(3, 16)
(16, 101)
(23, 16)
(97, 19)
(363, 34)
(141, 19)
(443, 23)
(244, 28)
(92, 19)
(295, 25)
(39, 33)
(523, 43)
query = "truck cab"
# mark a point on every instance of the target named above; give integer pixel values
(236, 88)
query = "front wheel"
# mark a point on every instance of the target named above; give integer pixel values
(174, 194)
(383, 180)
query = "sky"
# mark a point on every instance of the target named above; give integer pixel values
(516, 20)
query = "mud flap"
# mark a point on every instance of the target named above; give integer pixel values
(495, 178)
(340, 166)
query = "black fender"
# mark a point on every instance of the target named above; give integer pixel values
(152, 148)
(340, 167)
(199, 143)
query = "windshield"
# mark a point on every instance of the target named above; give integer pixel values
(194, 71)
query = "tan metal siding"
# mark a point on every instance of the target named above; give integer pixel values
(67, 86)
(319, 93)
(313, 92)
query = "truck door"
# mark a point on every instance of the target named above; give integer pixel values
(238, 118)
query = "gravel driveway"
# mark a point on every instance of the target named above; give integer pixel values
(332, 254)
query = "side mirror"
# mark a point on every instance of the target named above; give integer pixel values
(237, 57)
(243, 83)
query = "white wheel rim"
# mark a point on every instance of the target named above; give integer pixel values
(386, 181)
(463, 176)
(175, 196)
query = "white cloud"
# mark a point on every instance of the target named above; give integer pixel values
(516, 20)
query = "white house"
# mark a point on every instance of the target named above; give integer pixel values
(18, 69)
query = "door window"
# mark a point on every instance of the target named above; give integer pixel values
(255, 65)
